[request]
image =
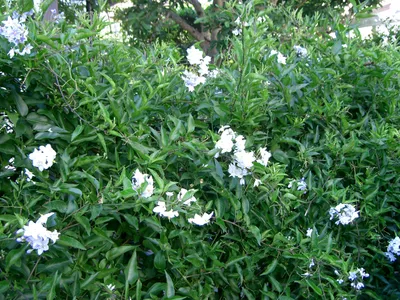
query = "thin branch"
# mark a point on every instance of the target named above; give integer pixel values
(58, 85)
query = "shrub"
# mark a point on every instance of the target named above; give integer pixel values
(141, 161)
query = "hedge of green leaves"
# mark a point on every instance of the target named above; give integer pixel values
(330, 116)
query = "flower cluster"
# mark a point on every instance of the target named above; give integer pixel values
(138, 179)
(356, 280)
(37, 235)
(242, 160)
(15, 31)
(43, 158)
(393, 248)
(57, 17)
(300, 51)
(186, 198)
(161, 209)
(281, 57)
(345, 213)
(238, 30)
(10, 165)
(195, 58)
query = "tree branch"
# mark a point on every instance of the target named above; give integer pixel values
(199, 11)
(184, 25)
(197, 7)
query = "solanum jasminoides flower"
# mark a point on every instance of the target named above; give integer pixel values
(201, 220)
(345, 213)
(37, 235)
(139, 179)
(43, 157)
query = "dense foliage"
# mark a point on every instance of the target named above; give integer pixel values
(189, 21)
(326, 111)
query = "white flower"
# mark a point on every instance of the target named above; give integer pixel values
(237, 31)
(201, 220)
(11, 53)
(301, 185)
(169, 194)
(261, 19)
(363, 273)
(161, 209)
(265, 156)
(312, 264)
(27, 50)
(340, 281)
(353, 276)
(257, 182)
(390, 256)
(203, 66)
(138, 179)
(244, 159)
(14, 30)
(309, 232)
(111, 287)
(240, 143)
(29, 174)
(194, 56)
(345, 213)
(10, 165)
(43, 158)
(182, 194)
(213, 74)
(225, 142)
(393, 248)
(191, 80)
(306, 274)
(37, 235)
(235, 171)
(281, 57)
(239, 22)
(170, 214)
(300, 51)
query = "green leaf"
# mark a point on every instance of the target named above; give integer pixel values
(84, 222)
(4, 286)
(131, 270)
(116, 252)
(191, 124)
(280, 156)
(78, 130)
(138, 290)
(314, 287)
(76, 286)
(271, 267)
(175, 134)
(275, 283)
(159, 261)
(14, 257)
(337, 47)
(52, 294)
(170, 286)
(21, 105)
(256, 232)
(70, 242)
(89, 280)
